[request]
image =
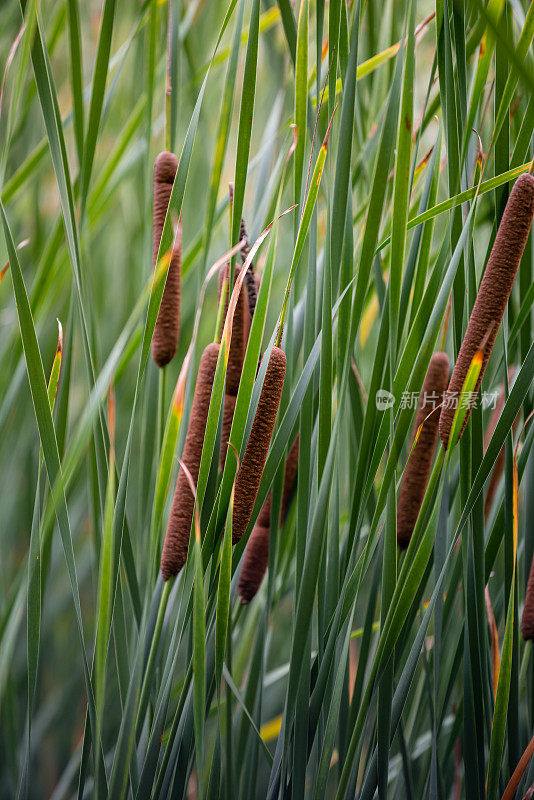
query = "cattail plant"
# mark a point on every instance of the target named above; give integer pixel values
(176, 543)
(251, 469)
(251, 278)
(492, 297)
(240, 329)
(240, 332)
(167, 329)
(527, 620)
(255, 563)
(417, 471)
(256, 558)
(498, 467)
(238, 346)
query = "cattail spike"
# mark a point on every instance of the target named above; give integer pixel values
(252, 286)
(492, 297)
(255, 563)
(176, 543)
(240, 328)
(167, 329)
(417, 472)
(292, 460)
(527, 620)
(249, 475)
(256, 558)
(250, 278)
(246, 250)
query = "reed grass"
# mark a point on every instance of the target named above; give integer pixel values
(382, 157)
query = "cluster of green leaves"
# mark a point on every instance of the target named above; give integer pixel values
(350, 131)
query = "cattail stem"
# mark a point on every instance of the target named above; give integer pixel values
(418, 468)
(251, 469)
(169, 127)
(154, 644)
(492, 298)
(176, 545)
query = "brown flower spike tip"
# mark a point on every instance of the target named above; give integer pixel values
(176, 543)
(251, 469)
(527, 620)
(492, 297)
(240, 327)
(417, 472)
(256, 558)
(251, 278)
(167, 330)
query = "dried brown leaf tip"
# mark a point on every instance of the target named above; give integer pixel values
(167, 329)
(176, 543)
(251, 469)
(492, 297)
(6, 266)
(417, 472)
(256, 558)
(527, 620)
(59, 348)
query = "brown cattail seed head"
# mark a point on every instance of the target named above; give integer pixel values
(251, 469)
(417, 472)
(240, 327)
(527, 620)
(252, 285)
(292, 460)
(228, 418)
(255, 562)
(256, 558)
(176, 543)
(167, 330)
(492, 297)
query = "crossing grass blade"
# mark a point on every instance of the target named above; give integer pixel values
(76, 75)
(301, 97)
(97, 97)
(48, 440)
(357, 670)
